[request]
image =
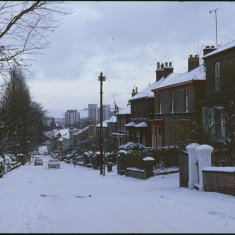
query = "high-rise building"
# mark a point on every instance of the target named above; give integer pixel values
(93, 113)
(72, 118)
(106, 112)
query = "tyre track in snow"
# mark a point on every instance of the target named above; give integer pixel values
(80, 200)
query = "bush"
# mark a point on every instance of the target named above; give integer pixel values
(165, 156)
(132, 146)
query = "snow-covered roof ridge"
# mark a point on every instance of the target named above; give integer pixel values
(147, 92)
(125, 110)
(105, 123)
(112, 119)
(64, 133)
(195, 74)
(227, 46)
(81, 130)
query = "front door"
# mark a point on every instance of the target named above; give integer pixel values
(159, 136)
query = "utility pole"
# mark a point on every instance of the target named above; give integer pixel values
(215, 24)
(101, 78)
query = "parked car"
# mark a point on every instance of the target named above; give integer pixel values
(8, 163)
(1, 167)
(38, 161)
(12, 158)
(53, 163)
(36, 153)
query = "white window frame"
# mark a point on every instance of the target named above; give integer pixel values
(186, 100)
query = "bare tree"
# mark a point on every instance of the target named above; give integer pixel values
(25, 27)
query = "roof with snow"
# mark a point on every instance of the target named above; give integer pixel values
(144, 93)
(104, 124)
(193, 75)
(130, 124)
(125, 110)
(64, 133)
(81, 130)
(112, 119)
(142, 124)
(147, 92)
(227, 46)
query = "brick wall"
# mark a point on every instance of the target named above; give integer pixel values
(136, 173)
(219, 181)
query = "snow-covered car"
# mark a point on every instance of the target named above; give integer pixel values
(36, 152)
(53, 163)
(38, 161)
(1, 167)
(8, 163)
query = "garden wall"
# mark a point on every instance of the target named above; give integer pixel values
(219, 179)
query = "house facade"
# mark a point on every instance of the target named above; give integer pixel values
(218, 110)
(142, 109)
(177, 112)
(123, 117)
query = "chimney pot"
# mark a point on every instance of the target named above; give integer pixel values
(166, 64)
(170, 64)
(208, 49)
(158, 65)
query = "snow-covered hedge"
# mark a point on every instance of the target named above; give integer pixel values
(165, 156)
(132, 146)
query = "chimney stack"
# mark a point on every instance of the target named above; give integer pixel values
(134, 92)
(193, 62)
(168, 69)
(159, 71)
(208, 49)
(163, 71)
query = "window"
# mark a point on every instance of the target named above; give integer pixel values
(172, 102)
(217, 76)
(159, 104)
(186, 100)
(218, 125)
(214, 123)
(160, 107)
(139, 109)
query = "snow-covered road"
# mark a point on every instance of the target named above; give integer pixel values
(35, 199)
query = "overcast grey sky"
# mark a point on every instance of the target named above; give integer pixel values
(124, 40)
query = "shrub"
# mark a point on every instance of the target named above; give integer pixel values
(165, 156)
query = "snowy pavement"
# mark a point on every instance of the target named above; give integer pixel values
(35, 199)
